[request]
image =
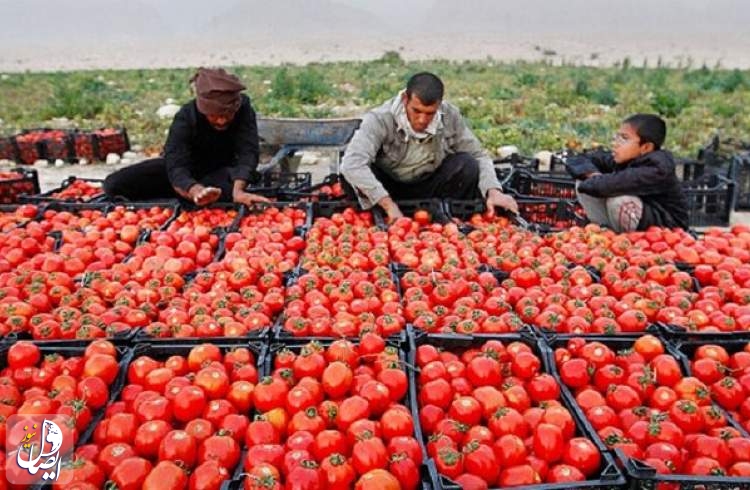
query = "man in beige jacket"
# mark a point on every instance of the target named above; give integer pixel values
(417, 146)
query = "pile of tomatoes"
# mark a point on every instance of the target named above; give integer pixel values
(346, 239)
(42, 382)
(14, 184)
(337, 414)
(21, 215)
(343, 303)
(180, 420)
(333, 417)
(726, 375)
(244, 291)
(638, 400)
(79, 190)
(492, 418)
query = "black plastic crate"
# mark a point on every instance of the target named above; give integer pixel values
(326, 209)
(52, 195)
(7, 149)
(718, 152)
(273, 184)
(237, 481)
(18, 182)
(134, 206)
(741, 175)
(110, 140)
(463, 210)
(29, 147)
(643, 476)
(710, 200)
(259, 335)
(684, 350)
(85, 145)
(59, 146)
(688, 169)
(163, 351)
(318, 192)
(609, 476)
(123, 338)
(541, 184)
(532, 163)
(550, 214)
(72, 207)
(125, 356)
(624, 342)
(679, 334)
(539, 214)
(11, 217)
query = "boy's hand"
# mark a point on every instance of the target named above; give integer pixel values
(495, 198)
(593, 174)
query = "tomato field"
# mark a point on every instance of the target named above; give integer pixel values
(306, 345)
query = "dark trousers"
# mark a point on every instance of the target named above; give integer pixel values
(148, 180)
(457, 177)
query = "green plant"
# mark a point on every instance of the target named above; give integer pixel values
(531, 105)
(669, 104)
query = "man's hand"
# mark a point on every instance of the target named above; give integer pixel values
(495, 198)
(247, 198)
(391, 209)
(202, 195)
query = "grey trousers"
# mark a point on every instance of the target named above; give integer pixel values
(620, 213)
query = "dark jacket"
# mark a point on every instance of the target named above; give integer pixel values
(194, 148)
(651, 177)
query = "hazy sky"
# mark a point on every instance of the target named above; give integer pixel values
(47, 34)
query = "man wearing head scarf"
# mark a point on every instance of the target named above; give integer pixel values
(211, 150)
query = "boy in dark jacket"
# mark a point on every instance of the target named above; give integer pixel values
(635, 186)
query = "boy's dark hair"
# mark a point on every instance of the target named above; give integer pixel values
(426, 86)
(650, 128)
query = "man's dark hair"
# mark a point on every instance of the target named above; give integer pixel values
(650, 128)
(426, 86)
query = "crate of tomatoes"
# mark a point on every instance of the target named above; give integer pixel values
(661, 421)
(279, 184)
(70, 386)
(7, 149)
(72, 189)
(182, 416)
(17, 182)
(723, 365)
(110, 140)
(85, 145)
(29, 147)
(541, 184)
(542, 214)
(332, 188)
(333, 414)
(493, 416)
